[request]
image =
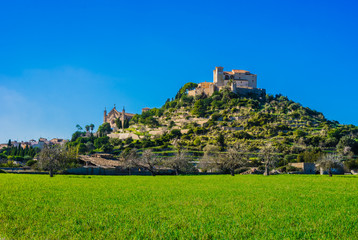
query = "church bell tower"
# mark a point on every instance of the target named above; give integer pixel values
(105, 115)
(123, 118)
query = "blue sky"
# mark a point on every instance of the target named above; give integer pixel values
(62, 63)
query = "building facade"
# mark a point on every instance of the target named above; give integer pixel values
(113, 115)
(239, 81)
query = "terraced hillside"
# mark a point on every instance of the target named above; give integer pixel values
(226, 119)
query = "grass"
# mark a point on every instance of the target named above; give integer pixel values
(178, 207)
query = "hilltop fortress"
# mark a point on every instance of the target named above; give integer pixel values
(239, 81)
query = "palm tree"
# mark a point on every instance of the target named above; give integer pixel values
(91, 127)
(87, 127)
(79, 128)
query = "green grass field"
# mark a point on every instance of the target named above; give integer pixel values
(178, 207)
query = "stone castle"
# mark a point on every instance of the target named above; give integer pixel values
(113, 115)
(239, 81)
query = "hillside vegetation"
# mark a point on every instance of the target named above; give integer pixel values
(226, 119)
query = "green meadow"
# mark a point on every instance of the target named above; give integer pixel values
(178, 207)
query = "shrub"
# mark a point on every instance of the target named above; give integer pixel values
(197, 142)
(290, 158)
(31, 162)
(352, 164)
(292, 169)
(175, 133)
(215, 116)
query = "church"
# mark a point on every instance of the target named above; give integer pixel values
(113, 115)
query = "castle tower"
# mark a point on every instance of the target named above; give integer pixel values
(105, 115)
(219, 76)
(123, 118)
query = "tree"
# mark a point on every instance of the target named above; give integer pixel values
(9, 143)
(209, 160)
(129, 159)
(221, 141)
(235, 158)
(87, 127)
(199, 108)
(177, 143)
(82, 148)
(76, 135)
(148, 161)
(54, 158)
(118, 123)
(179, 163)
(99, 142)
(184, 89)
(89, 146)
(91, 127)
(268, 156)
(79, 128)
(104, 129)
(328, 162)
(347, 141)
(175, 133)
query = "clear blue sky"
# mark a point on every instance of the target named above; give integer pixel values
(62, 63)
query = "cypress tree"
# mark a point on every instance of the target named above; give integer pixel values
(13, 151)
(119, 123)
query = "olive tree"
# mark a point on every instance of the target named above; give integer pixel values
(328, 162)
(234, 158)
(149, 161)
(54, 158)
(129, 159)
(209, 159)
(227, 162)
(180, 162)
(268, 156)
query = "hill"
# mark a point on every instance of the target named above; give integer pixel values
(225, 119)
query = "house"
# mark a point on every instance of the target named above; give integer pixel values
(307, 168)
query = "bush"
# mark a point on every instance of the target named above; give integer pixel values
(31, 162)
(99, 142)
(287, 168)
(82, 148)
(175, 133)
(290, 158)
(27, 158)
(197, 142)
(292, 169)
(352, 164)
(215, 116)
(241, 170)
